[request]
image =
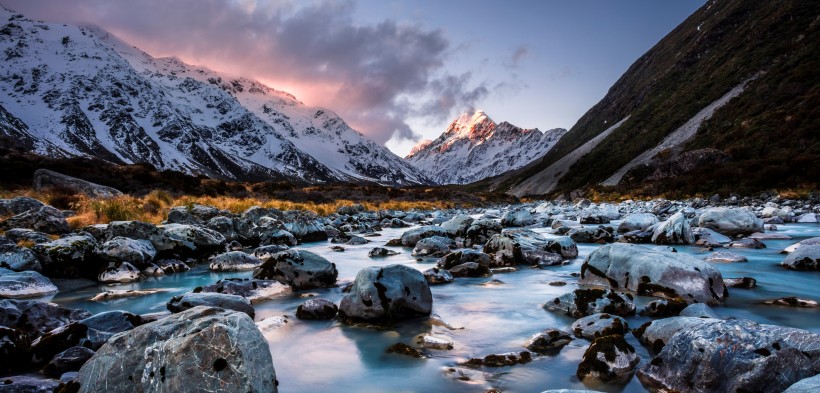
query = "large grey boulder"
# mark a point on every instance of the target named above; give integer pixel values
(37, 318)
(564, 246)
(101, 327)
(307, 230)
(18, 258)
(587, 301)
(44, 219)
(24, 284)
(637, 222)
(119, 272)
(601, 234)
(454, 259)
(229, 302)
(599, 325)
(608, 359)
(69, 360)
(299, 269)
(69, 257)
(436, 246)
(733, 356)
(807, 242)
(548, 340)
(457, 225)
(17, 205)
(653, 272)
(28, 384)
(709, 238)
(675, 230)
(805, 385)
(201, 349)
(186, 239)
(412, 236)
(517, 218)
(251, 289)
(730, 221)
(138, 252)
(386, 293)
(225, 226)
(45, 179)
(521, 246)
(480, 231)
(656, 334)
(806, 257)
(21, 234)
(234, 261)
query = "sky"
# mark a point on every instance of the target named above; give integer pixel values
(399, 71)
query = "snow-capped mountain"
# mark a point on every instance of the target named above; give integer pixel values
(79, 91)
(474, 147)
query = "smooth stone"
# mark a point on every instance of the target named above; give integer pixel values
(587, 301)
(698, 310)
(188, 301)
(249, 288)
(805, 385)
(675, 230)
(599, 325)
(298, 269)
(125, 272)
(741, 282)
(317, 309)
(430, 341)
(730, 221)
(548, 340)
(386, 293)
(18, 258)
(114, 294)
(608, 359)
(724, 256)
(410, 237)
(378, 252)
(234, 261)
(25, 284)
(804, 258)
(637, 222)
(69, 360)
(435, 276)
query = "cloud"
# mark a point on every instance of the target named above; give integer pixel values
(517, 56)
(374, 76)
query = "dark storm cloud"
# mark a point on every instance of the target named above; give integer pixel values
(374, 76)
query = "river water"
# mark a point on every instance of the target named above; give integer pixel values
(497, 317)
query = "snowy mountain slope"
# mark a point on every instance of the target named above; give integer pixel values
(474, 147)
(80, 91)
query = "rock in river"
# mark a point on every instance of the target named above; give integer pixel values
(201, 349)
(299, 269)
(608, 359)
(730, 221)
(24, 284)
(598, 325)
(806, 257)
(234, 261)
(653, 272)
(587, 301)
(229, 302)
(384, 293)
(548, 340)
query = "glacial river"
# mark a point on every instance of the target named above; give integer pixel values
(496, 316)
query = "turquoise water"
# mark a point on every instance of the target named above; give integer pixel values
(316, 356)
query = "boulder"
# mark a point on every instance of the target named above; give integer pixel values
(69, 360)
(228, 302)
(480, 231)
(454, 259)
(656, 334)
(435, 246)
(593, 217)
(501, 359)
(298, 269)
(24, 284)
(600, 234)
(732, 356)
(587, 301)
(563, 246)
(267, 252)
(740, 282)
(45, 179)
(201, 349)
(122, 272)
(14, 257)
(436, 276)
(637, 222)
(805, 385)
(381, 294)
(709, 238)
(653, 272)
(43, 219)
(521, 246)
(599, 325)
(69, 257)
(608, 359)
(808, 218)
(675, 230)
(730, 221)
(803, 258)
(470, 269)
(251, 289)
(725, 256)
(548, 340)
(457, 225)
(747, 243)
(17, 205)
(28, 235)
(139, 253)
(225, 226)
(307, 230)
(14, 347)
(699, 310)
(234, 261)
(662, 308)
(517, 218)
(184, 239)
(317, 309)
(28, 384)
(379, 252)
(806, 242)
(101, 327)
(37, 318)
(412, 236)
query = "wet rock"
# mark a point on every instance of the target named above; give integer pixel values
(17, 205)
(225, 226)
(114, 294)
(806, 242)
(267, 252)
(210, 299)
(138, 252)
(600, 234)
(548, 340)
(563, 246)
(731, 356)
(656, 334)
(698, 310)
(299, 269)
(468, 375)
(637, 222)
(747, 243)
(43, 219)
(190, 239)
(709, 238)
(588, 301)
(637, 237)
(44, 348)
(557, 283)
(805, 385)
(517, 218)
(410, 237)
(27, 384)
(592, 217)
(27, 235)
(37, 318)
(69, 257)
(730, 221)
(769, 236)
(234, 261)
(24, 284)
(306, 230)
(470, 269)
(123, 272)
(317, 309)
(435, 246)
(251, 289)
(458, 225)
(480, 231)
(436, 276)
(338, 248)
(202, 349)
(808, 218)
(608, 359)
(521, 246)
(387, 293)
(379, 252)
(725, 257)
(404, 349)
(599, 325)
(791, 301)
(454, 259)
(651, 272)
(69, 360)
(741, 282)
(171, 266)
(804, 258)
(675, 230)
(14, 346)
(664, 308)
(501, 360)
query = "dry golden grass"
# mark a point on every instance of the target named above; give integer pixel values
(26, 243)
